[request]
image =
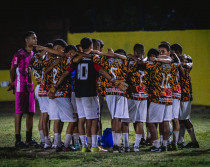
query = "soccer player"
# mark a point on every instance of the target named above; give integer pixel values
(38, 72)
(137, 98)
(114, 64)
(160, 108)
(21, 83)
(85, 91)
(186, 98)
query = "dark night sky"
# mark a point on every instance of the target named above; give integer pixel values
(52, 19)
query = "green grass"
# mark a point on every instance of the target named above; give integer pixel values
(31, 157)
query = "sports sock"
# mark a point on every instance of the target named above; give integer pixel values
(67, 140)
(117, 138)
(94, 141)
(176, 136)
(113, 137)
(138, 140)
(18, 137)
(41, 133)
(28, 136)
(156, 143)
(83, 140)
(125, 140)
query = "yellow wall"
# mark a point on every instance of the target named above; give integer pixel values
(196, 43)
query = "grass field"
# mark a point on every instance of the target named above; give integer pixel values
(32, 157)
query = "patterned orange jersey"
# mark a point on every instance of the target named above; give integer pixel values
(115, 68)
(160, 83)
(57, 71)
(176, 89)
(37, 69)
(186, 85)
(137, 81)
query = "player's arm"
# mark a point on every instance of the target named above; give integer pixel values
(63, 77)
(110, 53)
(12, 78)
(166, 60)
(48, 69)
(120, 84)
(79, 56)
(50, 50)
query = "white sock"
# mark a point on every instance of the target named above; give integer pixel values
(192, 135)
(46, 140)
(181, 133)
(89, 141)
(161, 140)
(156, 143)
(76, 138)
(138, 140)
(148, 134)
(67, 140)
(57, 139)
(41, 133)
(117, 138)
(125, 140)
(113, 137)
(165, 142)
(176, 136)
(83, 140)
(94, 141)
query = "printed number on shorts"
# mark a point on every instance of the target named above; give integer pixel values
(165, 80)
(82, 71)
(112, 71)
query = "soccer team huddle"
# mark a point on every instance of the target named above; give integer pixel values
(152, 91)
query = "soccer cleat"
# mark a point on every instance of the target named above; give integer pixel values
(117, 149)
(181, 145)
(59, 149)
(76, 146)
(30, 143)
(94, 150)
(40, 145)
(125, 149)
(20, 144)
(163, 148)
(101, 149)
(47, 146)
(148, 142)
(143, 142)
(192, 145)
(172, 147)
(70, 148)
(136, 149)
(84, 149)
(154, 149)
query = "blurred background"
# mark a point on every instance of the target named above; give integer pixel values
(120, 24)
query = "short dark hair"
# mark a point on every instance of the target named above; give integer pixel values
(60, 42)
(49, 45)
(164, 45)
(176, 47)
(96, 43)
(139, 48)
(153, 51)
(70, 47)
(101, 43)
(165, 42)
(120, 51)
(28, 34)
(86, 42)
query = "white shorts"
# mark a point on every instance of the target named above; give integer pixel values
(118, 106)
(137, 111)
(185, 110)
(73, 102)
(88, 107)
(43, 101)
(61, 109)
(175, 108)
(158, 113)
